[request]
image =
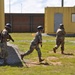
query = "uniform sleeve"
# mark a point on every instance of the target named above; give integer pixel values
(64, 32)
(5, 34)
(40, 38)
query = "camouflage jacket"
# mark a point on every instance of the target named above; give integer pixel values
(37, 39)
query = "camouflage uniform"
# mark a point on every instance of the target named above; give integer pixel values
(5, 38)
(60, 37)
(35, 45)
(4, 52)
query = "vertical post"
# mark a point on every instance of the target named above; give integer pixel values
(21, 7)
(2, 20)
(62, 3)
(9, 7)
(10, 15)
(9, 11)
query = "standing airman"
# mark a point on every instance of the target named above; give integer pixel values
(60, 37)
(5, 38)
(35, 44)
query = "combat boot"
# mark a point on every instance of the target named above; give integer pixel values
(62, 52)
(54, 50)
(40, 60)
(22, 56)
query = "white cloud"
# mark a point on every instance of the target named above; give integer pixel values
(6, 3)
(53, 3)
(69, 3)
(34, 6)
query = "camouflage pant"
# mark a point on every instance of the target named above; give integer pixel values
(3, 50)
(59, 42)
(32, 47)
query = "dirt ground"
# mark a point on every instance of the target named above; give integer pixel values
(52, 60)
(47, 62)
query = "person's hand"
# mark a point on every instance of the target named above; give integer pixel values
(41, 45)
(12, 40)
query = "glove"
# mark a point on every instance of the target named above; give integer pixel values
(12, 40)
(41, 45)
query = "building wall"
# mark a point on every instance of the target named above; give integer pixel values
(67, 18)
(24, 22)
(2, 22)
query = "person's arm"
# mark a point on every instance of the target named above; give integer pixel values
(40, 40)
(11, 38)
(64, 33)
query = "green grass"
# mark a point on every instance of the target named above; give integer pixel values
(67, 62)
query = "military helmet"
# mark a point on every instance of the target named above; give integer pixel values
(40, 27)
(8, 25)
(61, 26)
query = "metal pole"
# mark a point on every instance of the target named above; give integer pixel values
(10, 16)
(62, 3)
(21, 7)
(9, 7)
(9, 11)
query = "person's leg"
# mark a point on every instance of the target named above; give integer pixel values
(27, 52)
(58, 42)
(39, 54)
(62, 47)
(4, 53)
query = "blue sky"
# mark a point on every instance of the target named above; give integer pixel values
(33, 6)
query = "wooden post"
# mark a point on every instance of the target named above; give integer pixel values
(2, 20)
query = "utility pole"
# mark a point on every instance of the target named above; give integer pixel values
(21, 7)
(10, 16)
(9, 10)
(62, 3)
(9, 6)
